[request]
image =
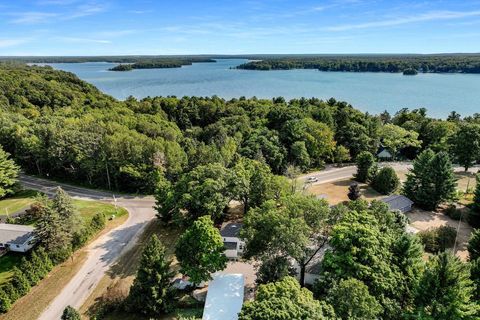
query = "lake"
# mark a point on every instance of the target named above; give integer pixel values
(372, 92)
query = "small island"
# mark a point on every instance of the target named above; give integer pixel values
(410, 72)
(158, 64)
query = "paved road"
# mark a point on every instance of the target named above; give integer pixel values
(104, 251)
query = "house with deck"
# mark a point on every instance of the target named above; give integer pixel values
(234, 246)
(17, 238)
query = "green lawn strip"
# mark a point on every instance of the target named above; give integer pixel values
(21, 200)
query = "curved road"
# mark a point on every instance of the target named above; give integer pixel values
(104, 251)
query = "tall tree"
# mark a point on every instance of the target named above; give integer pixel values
(151, 293)
(466, 144)
(395, 138)
(63, 205)
(297, 226)
(351, 300)
(285, 299)
(476, 197)
(200, 250)
(431, 181)
(474, 245)
(445, 290)
(365, 166)
(8, 174)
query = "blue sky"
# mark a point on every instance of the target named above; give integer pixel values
(75, 27)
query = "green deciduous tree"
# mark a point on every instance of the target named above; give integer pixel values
(365, 166)
(69, 313)
(395, 138)
(200, 250)
(285, 300)
(8, 174)
(297, 227)
(386, 181)
(274, 269)
(445, 290)
(466, 144)
(151, 293)
(352, 301)
(341, 155)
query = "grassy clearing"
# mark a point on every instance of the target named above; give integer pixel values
(88, 209)
(21, 200)
(118, 280)
(336, 192)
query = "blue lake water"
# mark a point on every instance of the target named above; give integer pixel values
(372, 92)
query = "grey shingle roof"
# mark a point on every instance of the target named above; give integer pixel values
(14, 233)
(231, 229)
(397, 202)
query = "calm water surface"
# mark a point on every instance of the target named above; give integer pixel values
(372, 92)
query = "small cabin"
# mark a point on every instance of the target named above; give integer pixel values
(234, 246)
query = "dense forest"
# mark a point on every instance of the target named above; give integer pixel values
(168, 63)
(56, 125)
(373, 63)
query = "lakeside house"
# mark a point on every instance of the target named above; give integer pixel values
(399, 202)
(234, 246)
(224, 297)
(17, 238)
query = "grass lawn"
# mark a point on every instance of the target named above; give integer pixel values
(88, 209)
(336, 192)
(21, 200)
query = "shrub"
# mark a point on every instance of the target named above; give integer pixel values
(353, 192)
(98, 222)
(453, 212)
(365, 166)
(386, 181)
(20, 282)
(11, 292)
(438, 239)
(69, 313)
(5, 303)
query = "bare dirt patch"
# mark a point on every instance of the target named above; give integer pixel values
(423, 220)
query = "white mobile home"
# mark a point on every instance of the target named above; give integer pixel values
(224, 297)
(233, 244)
(15, 237)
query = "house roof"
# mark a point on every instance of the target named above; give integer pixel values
(224, 297)
(15, 233)
(230, 245)
(231, 229)
(397, 202)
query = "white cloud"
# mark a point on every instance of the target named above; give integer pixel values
(4, 43)
(84, 40)
(33, 17)
(429, 16)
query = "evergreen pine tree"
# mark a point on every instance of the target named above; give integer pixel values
(29, 271)
(5, 303)
(474, 245)
(62, 204)
(445, 290)
(475, 276)
(11, 292)
(150, 293)
(353, 192)
(38, 264)
(69, 313)
(8, 174)
(386, 181)
(476, 198)
(443, 179)
(46, 261)
(20, 282)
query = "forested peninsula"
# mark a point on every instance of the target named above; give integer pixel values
(408, 64)
(159, 64)
(56, 125)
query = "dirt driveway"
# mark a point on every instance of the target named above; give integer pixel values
(423, 220)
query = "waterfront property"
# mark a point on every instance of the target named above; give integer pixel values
(18, 238)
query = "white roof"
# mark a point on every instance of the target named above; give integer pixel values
(224, 297)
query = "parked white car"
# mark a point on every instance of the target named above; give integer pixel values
(312, 179)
